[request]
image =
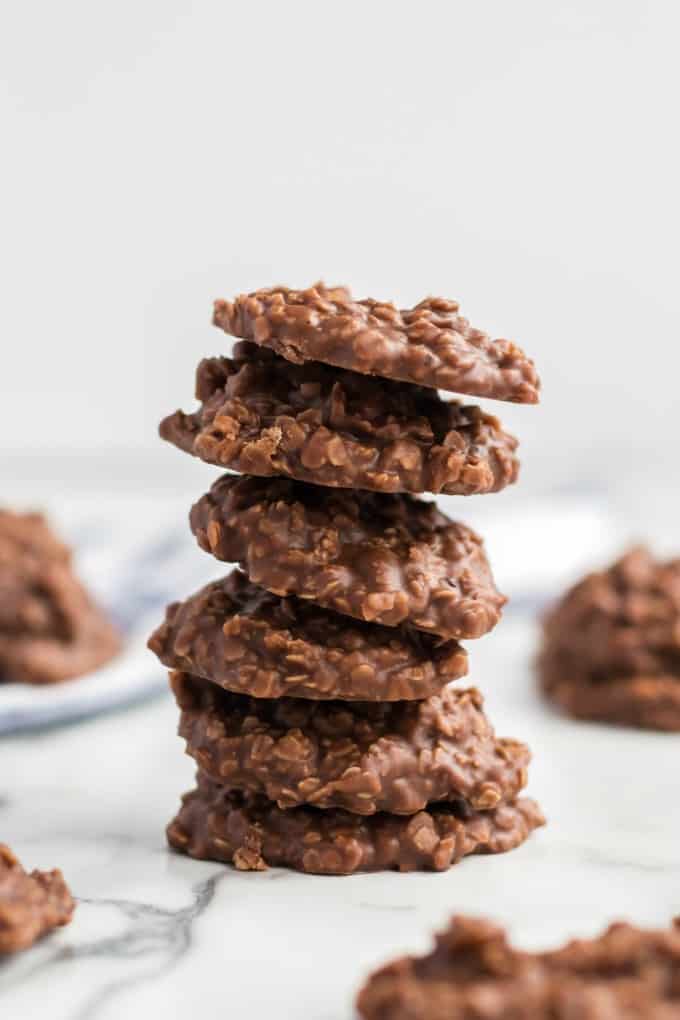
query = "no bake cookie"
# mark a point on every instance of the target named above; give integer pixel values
(378, 557)
(50, 628)
(30, 904)
(249, 831)
(430, 344)
(252, 642)
(474, 973)
(362, 757)
(611, 646)
(262, 415)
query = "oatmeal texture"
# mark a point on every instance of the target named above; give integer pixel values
(252, 642)
(313, 682)
(382, 558)
(262, 415)
(251, 832)
(362, 756)
(430, 344)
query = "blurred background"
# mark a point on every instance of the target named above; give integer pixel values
(521, 158)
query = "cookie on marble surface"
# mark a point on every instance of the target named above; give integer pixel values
(31, 905)
(50, 628)
(385, 558)
(645, 702)
(262, 415)
(474, 973)
(430, 344)
(251, 832)
(611, 645)
(363, 757)
(252, 642)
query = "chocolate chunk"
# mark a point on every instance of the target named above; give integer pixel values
(50, 629)
(262, 415)
(611, 646)
(474, 973)
(431, 344)
(362, 757)
(252, 642)
(30, 904)
(378, 557)
(251, 832)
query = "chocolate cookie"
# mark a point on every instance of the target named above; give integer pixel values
(30, 904)
(251, 832)
(648, 702)
(363, 757)
(262, 415)
(611, 646)
(474, 973)
(50, 629)
(431, 344)
(377, 557)
(252, 642)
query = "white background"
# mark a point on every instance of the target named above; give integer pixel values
(520, 157)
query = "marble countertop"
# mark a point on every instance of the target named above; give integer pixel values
(158, 935)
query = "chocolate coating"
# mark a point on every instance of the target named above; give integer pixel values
(252, 642)
(30, 904)
(362, 757)
(474, 973)
(378, 557)
(611, 646)
(430, 344)
(249, 831)
(50, 629)
(262, 415)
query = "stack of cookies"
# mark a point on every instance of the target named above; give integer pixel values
(314, 682)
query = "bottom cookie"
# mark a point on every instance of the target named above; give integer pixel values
(473, 972)
(251, 832)
(30, 904)
(647, 702)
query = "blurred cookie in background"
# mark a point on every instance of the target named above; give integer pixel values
(50, 628)
(473, 972)
(611, 645)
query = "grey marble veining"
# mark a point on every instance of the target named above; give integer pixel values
(153, 937)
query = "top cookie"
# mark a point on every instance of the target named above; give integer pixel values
(430, 344)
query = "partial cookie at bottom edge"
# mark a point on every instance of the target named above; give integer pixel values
(251, 832)
(474, 972)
